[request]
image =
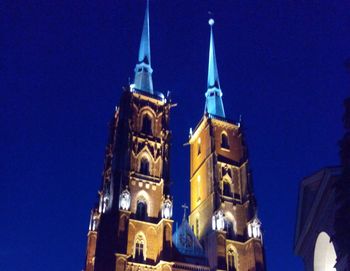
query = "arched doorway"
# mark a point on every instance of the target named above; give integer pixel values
(324, 253)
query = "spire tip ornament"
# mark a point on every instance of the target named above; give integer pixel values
(211, 22)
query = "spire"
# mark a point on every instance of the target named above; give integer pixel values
(213, 104)
(143, 70)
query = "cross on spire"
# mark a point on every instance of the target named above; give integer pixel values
(185, 207)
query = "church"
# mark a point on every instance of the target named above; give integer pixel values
(131, 225)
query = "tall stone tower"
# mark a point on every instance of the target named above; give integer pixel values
(131, 225)
(223, 208)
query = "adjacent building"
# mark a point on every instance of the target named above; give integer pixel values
(315, 220)
(322, 236)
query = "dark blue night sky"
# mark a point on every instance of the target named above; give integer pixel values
(62, 66)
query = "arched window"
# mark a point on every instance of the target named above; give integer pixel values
(199, 146)
(226, 188)
(226, 170)
(224, 141)
(197, 227)
(141, 210)
(140, 248)
(229, 229)
(147, 124)
(198, 188)
(144, 166)
(231, 260)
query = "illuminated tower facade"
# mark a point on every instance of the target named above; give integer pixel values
(131, 227)
(223, 212)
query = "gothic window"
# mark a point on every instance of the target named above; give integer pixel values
(229, 229)
(141, 210)
(224, 141)
(147, 124)
(198, 146)
(226, 188)
(144, 166)
(198, 188)
(226, 170)
(197, 227)
(231, 260)
(140, 249)
(229, 172)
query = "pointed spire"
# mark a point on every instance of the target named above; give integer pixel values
(143, 70)
(213, 75)
(144, 51)
(213, 104)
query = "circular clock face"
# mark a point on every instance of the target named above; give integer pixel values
(186, 240)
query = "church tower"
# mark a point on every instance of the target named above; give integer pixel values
(223, 213)
(131, 227)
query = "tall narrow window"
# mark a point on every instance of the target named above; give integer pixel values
(197, 227)
(229, 229)
(147, 124)
(198, 188)
(224, 141)
(141, 210)
(226, 188)
(223, 171)
(199, 146)
(226, 170)
(139, 249)
(231, 260)
(144, 166)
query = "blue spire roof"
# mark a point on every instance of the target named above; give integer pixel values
(213, 103)
(143, 70)
(186, 242)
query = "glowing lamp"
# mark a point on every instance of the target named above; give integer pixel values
(218, 221)
(167, 209)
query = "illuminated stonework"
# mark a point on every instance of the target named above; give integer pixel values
(254, 230)
(225, 216)
(218, 221)
(131, 228)
(124, 200)
(167, 209)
